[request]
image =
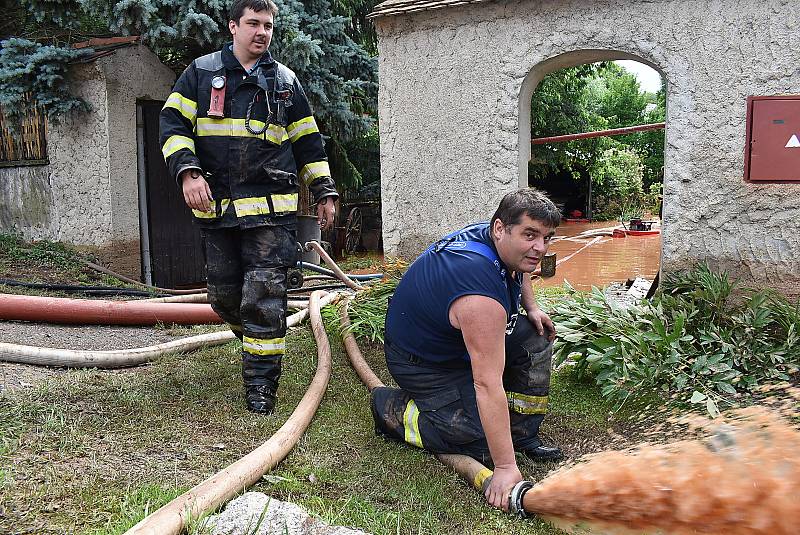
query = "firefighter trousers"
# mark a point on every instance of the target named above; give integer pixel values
(247, 287)
(435, 407)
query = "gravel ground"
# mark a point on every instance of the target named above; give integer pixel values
(89, 337)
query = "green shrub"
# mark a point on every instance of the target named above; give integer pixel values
(694, 343)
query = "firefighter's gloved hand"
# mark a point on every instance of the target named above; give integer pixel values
(503, 480)
(326, 210)
(196, 191)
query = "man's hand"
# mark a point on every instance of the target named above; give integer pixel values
(196, 191)
(503, 480)
(326, 209)
(541, 321)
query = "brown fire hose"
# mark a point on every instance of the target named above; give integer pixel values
(227, 483)
(473, 472)
(97, 311)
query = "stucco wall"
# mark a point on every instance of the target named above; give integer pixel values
(87, 195)
(454, 119)
(132, 74)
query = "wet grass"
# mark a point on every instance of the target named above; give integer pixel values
(93, 451)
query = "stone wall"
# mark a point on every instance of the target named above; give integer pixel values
(87, 195)
(455, 119)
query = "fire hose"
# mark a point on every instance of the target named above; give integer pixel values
(172, 518)
(124, 358)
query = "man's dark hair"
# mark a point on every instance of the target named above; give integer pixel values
(530, 202)
(238, 7)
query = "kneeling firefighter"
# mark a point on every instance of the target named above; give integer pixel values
(473, 371)
(237, 132)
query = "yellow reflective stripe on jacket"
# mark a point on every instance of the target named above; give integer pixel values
(411, 424)
(207, 126)
(213, 212)
(187, 107)
(260, 206)
(480, 477)
(264, 346)
(285, 203)
(300, 128)
(524, 404)
(314, 170)
(175, 143)
(251, 206)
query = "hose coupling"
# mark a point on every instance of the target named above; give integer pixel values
(515, 498)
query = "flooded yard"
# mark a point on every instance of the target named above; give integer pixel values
(608, 260)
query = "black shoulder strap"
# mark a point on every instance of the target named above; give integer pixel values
(210, 62)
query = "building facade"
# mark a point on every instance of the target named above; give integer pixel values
(456, 79)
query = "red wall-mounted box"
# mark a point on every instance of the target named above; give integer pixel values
(772, 152)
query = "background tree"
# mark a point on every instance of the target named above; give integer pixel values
(339, 75)
(594, 97)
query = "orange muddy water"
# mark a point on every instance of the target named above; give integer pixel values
(608, 260)
(743, 478)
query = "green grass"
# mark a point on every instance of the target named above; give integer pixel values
(92, 451)
(47, 262)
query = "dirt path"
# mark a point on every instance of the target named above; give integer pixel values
(89, 337)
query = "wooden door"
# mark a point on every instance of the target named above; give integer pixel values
(177, 257)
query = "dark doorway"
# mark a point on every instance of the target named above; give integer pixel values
(176, 256)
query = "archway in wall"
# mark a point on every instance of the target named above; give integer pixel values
(594, 142)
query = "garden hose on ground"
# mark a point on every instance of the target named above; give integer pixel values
(323, 271)
(123, 278)
(227, 483)
(74, 288)
(328, 260)
(473, 472)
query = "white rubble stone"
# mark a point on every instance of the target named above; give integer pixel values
(241, 517)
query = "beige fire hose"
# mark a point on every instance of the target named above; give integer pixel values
(188, 298)
(227, 483)
(473, 472)
(332, 265)
(203, 298)
(124, 358)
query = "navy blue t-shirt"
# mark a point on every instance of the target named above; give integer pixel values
(418, 318)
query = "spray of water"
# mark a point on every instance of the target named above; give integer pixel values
(742, 479)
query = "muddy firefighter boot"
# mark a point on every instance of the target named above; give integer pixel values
(264, 344)
(526, 380)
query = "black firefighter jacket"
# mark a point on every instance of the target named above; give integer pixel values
(253, 173)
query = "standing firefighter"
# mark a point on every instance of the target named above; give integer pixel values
(474, 374)
(234, 133)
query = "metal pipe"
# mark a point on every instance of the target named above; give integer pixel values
(125, 358)
(598, 133)
(227, 483)
(141, 175)
(96, 311)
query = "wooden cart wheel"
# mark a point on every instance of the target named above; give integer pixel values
(353, 230)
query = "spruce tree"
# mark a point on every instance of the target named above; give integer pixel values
(339, 75)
